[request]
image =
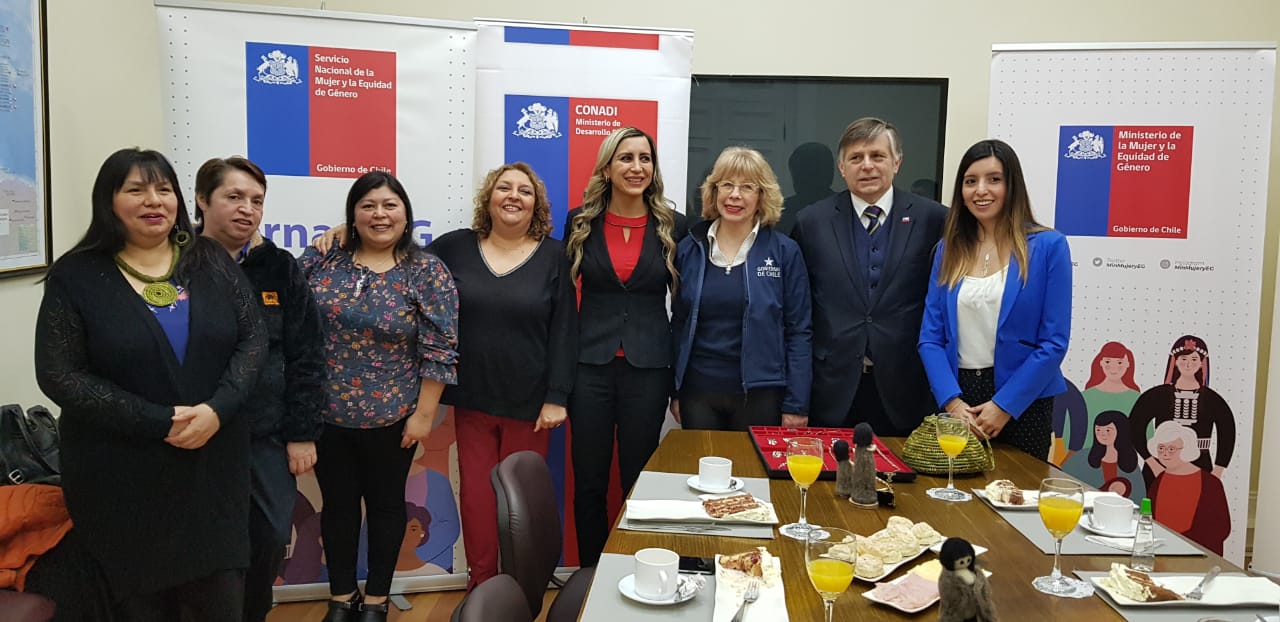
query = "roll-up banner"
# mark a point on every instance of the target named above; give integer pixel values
(1152, 158)
(548, 95)
(318, 98)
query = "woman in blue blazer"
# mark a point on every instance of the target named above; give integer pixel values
(998, 313)
(741, 318)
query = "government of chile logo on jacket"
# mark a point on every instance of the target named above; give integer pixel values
(769, 270)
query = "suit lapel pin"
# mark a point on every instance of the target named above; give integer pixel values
(906, 219)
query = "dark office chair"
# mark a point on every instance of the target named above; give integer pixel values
(529, 537)
(498, 599)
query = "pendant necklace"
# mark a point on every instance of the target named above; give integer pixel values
(158, 292)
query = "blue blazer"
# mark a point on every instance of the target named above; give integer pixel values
(1031, 334)
(776, 325)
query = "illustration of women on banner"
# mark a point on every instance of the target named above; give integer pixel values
(1186, 398)
(1110, 462)
(1110, 387)
(1185, 497)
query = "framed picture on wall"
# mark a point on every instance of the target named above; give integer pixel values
(25, 228)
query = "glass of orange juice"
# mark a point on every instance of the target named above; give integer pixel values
(804, 462)
(953, 435)
(829, 557)
(1061, 504)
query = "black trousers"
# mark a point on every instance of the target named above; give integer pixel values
(868, 408)
(266, 554)
(216, 598)
(369, 465)
(1032, 431)
(734, 412)
(615, 401)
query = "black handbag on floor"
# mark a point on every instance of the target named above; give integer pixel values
(28, 446)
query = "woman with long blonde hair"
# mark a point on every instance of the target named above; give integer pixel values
(622, 245)
(997, 317)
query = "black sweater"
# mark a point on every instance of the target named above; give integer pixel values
(153, 516)
(517, 333)
(286, 402)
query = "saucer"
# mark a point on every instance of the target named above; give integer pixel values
(735, 484)
(1086, 521)
(628, 588)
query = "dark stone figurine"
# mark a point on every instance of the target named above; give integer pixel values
(863, 493)
(963, 589)
(844, 469)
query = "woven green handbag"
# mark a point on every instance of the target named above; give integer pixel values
(922, 453)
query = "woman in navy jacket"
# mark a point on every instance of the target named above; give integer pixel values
(741, 318)
(998, 313)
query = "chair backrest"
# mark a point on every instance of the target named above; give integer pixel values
(499, 599)
(529, 538)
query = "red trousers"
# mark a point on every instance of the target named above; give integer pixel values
(483, 441)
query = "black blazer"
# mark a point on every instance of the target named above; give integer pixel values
(153, 515)
(632, 315)
(846, 320)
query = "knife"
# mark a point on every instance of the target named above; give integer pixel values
(1198, 593)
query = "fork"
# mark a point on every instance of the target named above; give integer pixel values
(1198, 593)
(753, 592)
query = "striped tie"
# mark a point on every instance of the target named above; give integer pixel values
(873, 214)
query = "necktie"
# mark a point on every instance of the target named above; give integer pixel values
(872, 213)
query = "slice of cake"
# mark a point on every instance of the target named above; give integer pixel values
(1004, 491)
(748, 563)
(724, 506)
(1137, 585)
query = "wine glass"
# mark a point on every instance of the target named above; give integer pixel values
(953, 435)
(804, 462)
(829, 557)
(1061, 504)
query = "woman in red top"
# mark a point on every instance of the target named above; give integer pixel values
(621, 244)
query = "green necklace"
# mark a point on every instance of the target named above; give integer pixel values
(159, 292)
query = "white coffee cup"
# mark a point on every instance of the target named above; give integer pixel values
(714, 472)
(656, 573)
(1112, 513)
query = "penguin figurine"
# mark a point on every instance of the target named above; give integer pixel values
(863, 493)
(844, 469)
(963, 590)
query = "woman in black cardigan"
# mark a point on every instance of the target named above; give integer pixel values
(149, 342)
(622, 244)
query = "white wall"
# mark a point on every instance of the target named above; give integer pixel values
(104, 80)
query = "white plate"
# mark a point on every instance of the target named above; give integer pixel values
(1030, 497)
(977, 549)
(871, 596)
(1225, 591)
(1086, 522)
(628, 588)
(735, 484)
(681, 511)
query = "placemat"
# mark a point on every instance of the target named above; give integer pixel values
(1178, 614)
(605, 602)
(658, 485)
(1028, 523)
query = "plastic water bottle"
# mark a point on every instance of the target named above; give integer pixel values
(1144, 544)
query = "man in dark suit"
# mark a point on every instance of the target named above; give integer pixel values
(868, 251)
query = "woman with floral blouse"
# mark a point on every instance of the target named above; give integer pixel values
(389, 313)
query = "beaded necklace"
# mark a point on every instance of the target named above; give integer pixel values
(158, 292)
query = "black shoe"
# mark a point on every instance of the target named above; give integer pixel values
(373, 613)
(343, 611)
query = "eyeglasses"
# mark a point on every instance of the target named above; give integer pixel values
(747, 189)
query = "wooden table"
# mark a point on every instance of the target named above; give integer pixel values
(1013, 560)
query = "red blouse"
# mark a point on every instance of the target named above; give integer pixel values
(624, 248)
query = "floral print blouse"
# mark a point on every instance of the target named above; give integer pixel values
(383, 332)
